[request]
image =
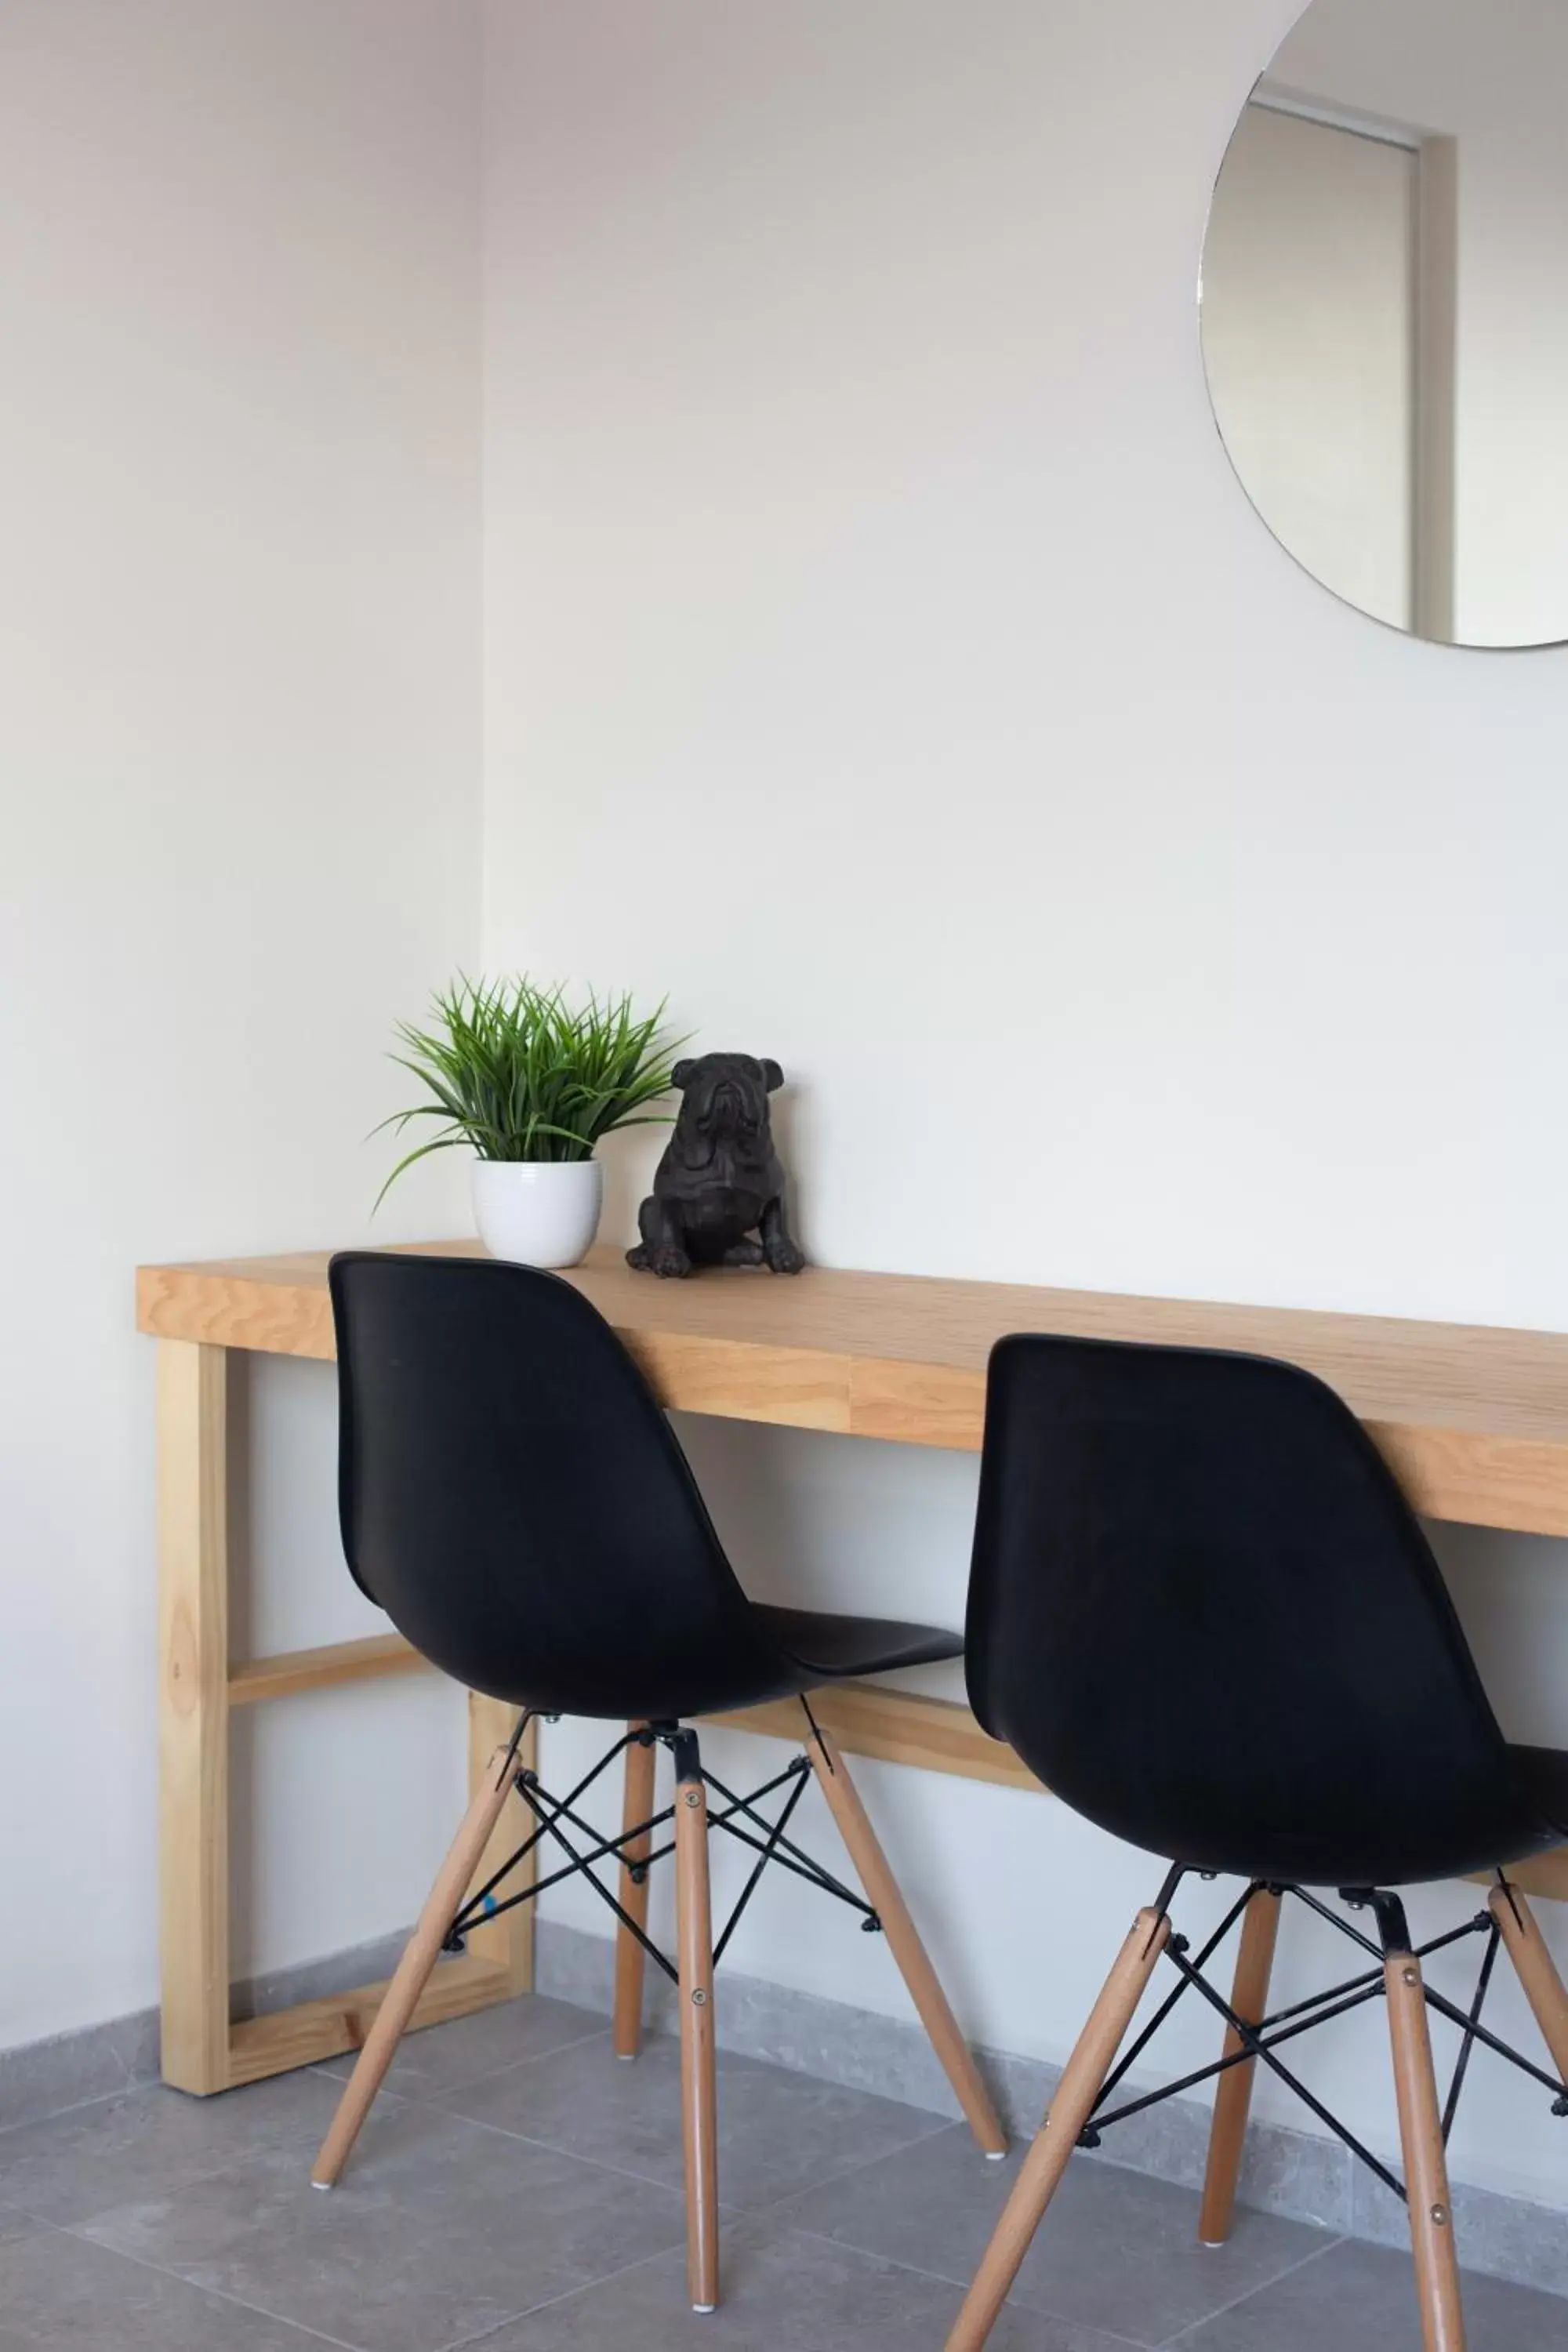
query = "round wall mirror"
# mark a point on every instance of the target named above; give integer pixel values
(1384, 307)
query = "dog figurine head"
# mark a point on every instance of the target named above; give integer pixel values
(725, 1103)
(719, 1181)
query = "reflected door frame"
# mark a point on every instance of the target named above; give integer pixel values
(1433, 283)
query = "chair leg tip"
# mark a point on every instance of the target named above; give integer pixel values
(323, 2184)
(996, 2155)
(704, 2306)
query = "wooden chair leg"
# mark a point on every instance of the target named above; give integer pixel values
(700, 2116)
(1426, 2167)
(1233, 2092)
(420, 1955)
(882, 1893)
(1544, 1988)
(629, 1956)
(1058, 2136)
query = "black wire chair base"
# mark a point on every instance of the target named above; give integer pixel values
(1263, 2040)
(738, 1817)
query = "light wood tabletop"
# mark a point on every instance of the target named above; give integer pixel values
(1473, 1420)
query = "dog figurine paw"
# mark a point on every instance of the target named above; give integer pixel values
(718, 1192)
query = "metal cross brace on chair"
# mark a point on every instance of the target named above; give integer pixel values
(766, 1838)
(1263, 2039)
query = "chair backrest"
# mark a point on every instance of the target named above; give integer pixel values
(1203, 1611)
(514, 1497)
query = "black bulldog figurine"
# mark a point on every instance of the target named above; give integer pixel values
(720, 1179)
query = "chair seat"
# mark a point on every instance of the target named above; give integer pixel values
(835, 1646)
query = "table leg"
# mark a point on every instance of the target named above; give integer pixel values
(193, 1707)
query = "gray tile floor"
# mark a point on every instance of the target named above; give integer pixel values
(518, 2187)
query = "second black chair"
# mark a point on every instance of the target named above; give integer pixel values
(1203, 1611)
(512, 1495)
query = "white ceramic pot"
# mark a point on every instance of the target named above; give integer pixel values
(538, 1212)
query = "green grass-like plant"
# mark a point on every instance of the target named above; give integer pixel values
(516, 1073)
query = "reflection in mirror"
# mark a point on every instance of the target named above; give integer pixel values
(1384, 310)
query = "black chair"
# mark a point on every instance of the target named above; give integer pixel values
(1203, 1612)
(512, 1495)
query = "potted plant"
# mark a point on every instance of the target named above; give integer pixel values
(530, 1085)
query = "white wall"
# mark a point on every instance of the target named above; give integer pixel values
(882, 659)
(238, 834)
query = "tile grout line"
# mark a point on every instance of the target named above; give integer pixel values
(128, 2089)
(190, 2099)
(568, 2295)
(1188, 2334)
(648, 2181)
(324, 2072)
(81, 2226)
(233, 2302)
(623, 2172)
(320, 2069)
(862, 2164)
(944, 2279)
(595, 2163)
(572, 2155)
(835, 2180)
(940, 2278)
(79, 2230)
(941, 2123)
(740, 2214)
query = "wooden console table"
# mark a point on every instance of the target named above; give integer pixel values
(1473, 1420)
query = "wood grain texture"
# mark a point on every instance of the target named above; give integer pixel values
(637, 1805)
(895, 1727)
(1233, 2092)
(394, 2012)
(699, 2087)
(193, 1712)
(505, 1943)
(1544, 1875)
(1536, 1969)
(372, 1660)
(886, 1898)
(1426, 2166)
(312, 2030)
(1474, 1420)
